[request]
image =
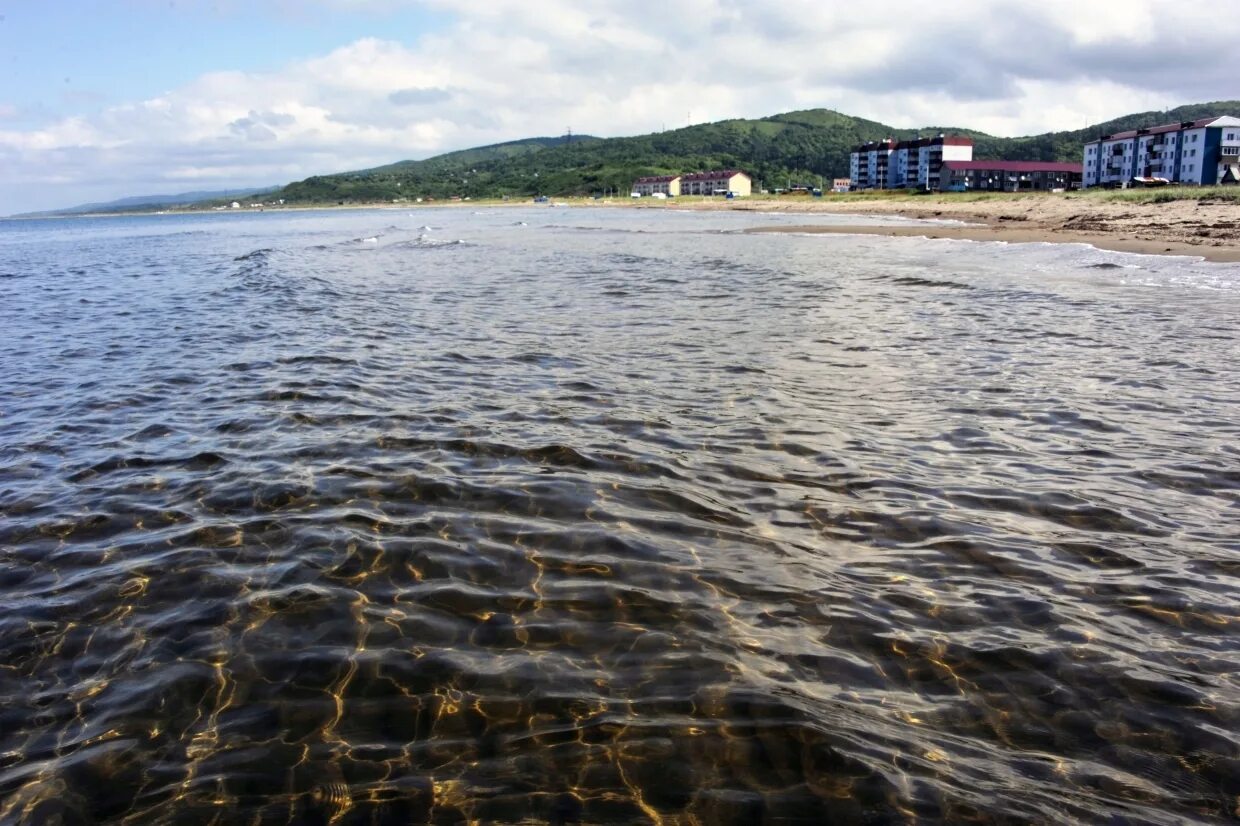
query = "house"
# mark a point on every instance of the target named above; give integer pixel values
(841, 184)
(1009, 176)
(663, 184)
(717, 182)
(888, 164)
(1204, 152)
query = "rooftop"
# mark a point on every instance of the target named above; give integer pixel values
(1013, 166)
(718, 174)
(1171, 127)
(916, 143)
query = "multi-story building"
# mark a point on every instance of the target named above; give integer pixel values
(1010, 176)
(915, 163)
(868, 164)
(1205, 151)
(663, 184)
(718, 182)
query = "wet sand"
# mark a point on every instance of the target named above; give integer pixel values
(1208, 230)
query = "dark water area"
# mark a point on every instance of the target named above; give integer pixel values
(559, 516)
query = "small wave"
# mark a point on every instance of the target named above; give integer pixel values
(426, 244)
(908, 281)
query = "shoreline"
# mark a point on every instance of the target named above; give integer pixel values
(1205, 230)
(1201, 228)
(1008, 235)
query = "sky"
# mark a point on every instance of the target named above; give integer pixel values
(101, 99)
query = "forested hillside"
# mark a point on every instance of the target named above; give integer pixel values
(778, 150)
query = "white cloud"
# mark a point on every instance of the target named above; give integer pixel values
(506, 69)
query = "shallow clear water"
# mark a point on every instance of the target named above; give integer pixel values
(611, 517)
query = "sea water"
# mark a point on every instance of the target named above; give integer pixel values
(611, 516)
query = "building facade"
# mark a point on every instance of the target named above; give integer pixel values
(664, 184)
(1010, 176)
(1203, 152)
(906, 164)
(718, 182)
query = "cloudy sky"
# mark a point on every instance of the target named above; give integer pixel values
(106, 98)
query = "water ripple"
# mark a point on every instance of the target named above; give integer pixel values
(339, 519)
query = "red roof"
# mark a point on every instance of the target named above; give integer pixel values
(1159, 130)
(1013, 166)
(657, 179)
(955, 140)
(717, 175)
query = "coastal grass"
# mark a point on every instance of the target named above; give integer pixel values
(1167, 194)
(1153, 195)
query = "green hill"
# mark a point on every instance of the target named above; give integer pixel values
(776, 150)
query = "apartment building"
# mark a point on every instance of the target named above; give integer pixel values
(1203, 152)
(717, 182)
(890, 164)
(1010, 176)
(663, 184)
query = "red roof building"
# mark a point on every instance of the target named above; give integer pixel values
(663, 185)
(1010, 176)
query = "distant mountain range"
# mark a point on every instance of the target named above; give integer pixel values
(777, 150)
(149, 202)
(795, 147)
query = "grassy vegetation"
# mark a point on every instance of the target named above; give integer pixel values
(1167, 194)
(1153, 195)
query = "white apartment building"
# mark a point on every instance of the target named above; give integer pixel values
(906, 164)
(1203, 152)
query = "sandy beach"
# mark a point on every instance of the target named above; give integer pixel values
(1210, 230)
(1207, 228)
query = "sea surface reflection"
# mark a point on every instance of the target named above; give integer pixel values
(565, 515)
